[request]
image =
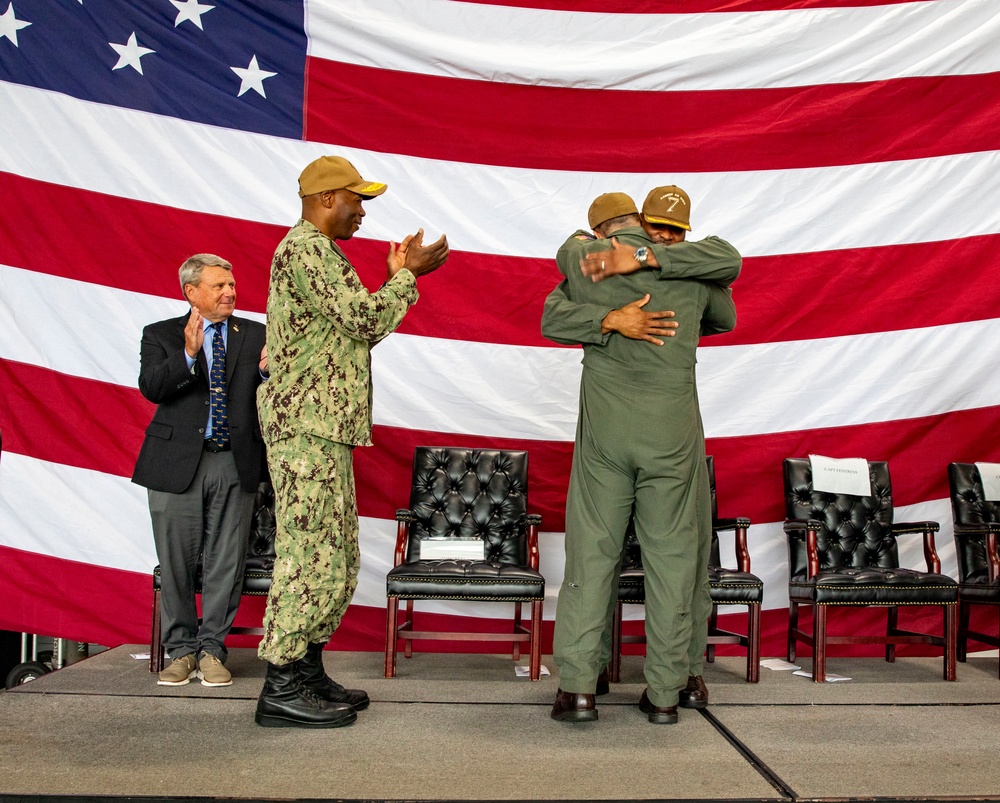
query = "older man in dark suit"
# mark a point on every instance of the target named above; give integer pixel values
(201, 461)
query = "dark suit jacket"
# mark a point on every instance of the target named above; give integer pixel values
(175, 437)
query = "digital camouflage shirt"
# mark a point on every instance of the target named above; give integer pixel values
(321, 325)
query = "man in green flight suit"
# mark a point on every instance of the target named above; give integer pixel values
(314, 409)
(639, 446)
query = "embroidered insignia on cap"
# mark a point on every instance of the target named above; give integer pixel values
(675, 200)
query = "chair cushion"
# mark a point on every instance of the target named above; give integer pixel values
(632, 584)
(874, 586)
(729, 586)
(464, 579)
(980, 590)
(257, 575)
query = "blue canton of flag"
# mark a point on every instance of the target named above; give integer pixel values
(233, 63)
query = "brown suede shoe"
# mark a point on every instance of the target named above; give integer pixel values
(572, 707)
(180, 671)
(658, 716)
(695, 694)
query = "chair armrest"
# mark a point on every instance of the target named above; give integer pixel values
(903, 527)
(977, 529)
(404, 518)
(810, 527)
(990, 531)
(927, 529)
(739, 526)
(533, 521)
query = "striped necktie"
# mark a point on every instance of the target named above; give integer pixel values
(217, 382)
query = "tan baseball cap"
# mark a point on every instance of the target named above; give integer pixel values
(336, 173)
(610, 205)
(669, 206)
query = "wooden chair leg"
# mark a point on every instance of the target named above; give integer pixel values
(713, 624)
(536, 640)
(950, 636)
(156, 636)
(891, 629)
(963, 629)
(408, 620)
(753, 642)
(615, 666)
(516, 645)
(391, 611)
(819, 643)
(793, 625)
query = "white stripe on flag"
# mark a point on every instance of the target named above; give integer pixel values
(757, 49)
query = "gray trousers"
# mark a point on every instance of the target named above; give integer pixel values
(210, 520)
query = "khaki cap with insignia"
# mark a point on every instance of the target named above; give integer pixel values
(668, 206)
(610, 205)
(336, 173)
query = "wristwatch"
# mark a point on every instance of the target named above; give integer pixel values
(641, 255)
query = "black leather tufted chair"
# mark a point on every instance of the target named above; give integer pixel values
(474, 494)
(256, 575)
(842, 551)
(728, 587)
(977, 523)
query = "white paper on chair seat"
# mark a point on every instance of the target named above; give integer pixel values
(989, 473)
(452, 549)
(845, 476)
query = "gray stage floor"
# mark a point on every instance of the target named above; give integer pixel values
(465, 727)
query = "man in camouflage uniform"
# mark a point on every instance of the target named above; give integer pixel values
(315, 408)
(639, 446)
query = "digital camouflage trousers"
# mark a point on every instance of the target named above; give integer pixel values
(316, 545)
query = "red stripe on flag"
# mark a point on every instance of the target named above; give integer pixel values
(863, 290)
(127, 244)
(748, 469)
(78, 601)
(681, 132)
(70, 420)
(783, 297)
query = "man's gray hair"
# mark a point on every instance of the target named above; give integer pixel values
(190, 272)
(620, 222)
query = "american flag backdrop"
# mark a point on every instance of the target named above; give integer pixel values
(849, 148)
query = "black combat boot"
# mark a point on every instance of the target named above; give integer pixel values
(285, 703)
(314, 677)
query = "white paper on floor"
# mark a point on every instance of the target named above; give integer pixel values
(830, 677)
(779, 664)
(525, 671)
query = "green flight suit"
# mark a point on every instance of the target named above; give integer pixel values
(639, 445)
